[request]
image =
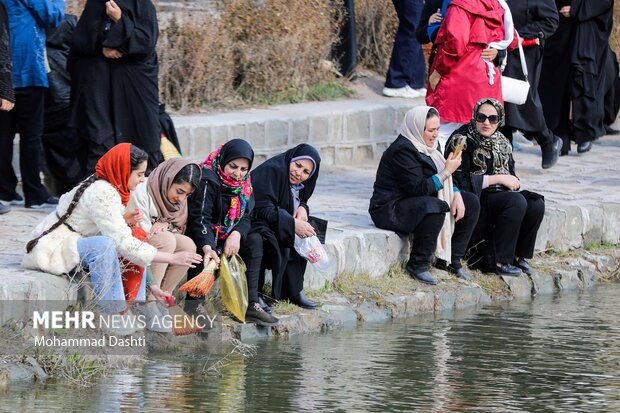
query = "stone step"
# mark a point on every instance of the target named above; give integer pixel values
(346, 131)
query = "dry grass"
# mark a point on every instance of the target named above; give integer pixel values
(615, 34)
(376, 23)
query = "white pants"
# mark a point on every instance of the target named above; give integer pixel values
(445, 130)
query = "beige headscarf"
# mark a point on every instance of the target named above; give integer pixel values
(159, 182)
(412, 128)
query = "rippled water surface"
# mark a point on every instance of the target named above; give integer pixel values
(552, 354)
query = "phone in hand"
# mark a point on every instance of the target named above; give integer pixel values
(459, 146)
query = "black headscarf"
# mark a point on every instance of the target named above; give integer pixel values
(271, 179)
(235, 149)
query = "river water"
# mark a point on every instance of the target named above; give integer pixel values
(555, 353)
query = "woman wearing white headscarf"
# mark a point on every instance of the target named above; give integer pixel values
(414, 194)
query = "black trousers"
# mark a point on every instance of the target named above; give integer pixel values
(512, 223)
(27, 119)
(426, 233)
(251, 251)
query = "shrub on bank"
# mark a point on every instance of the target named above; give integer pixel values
(376, 23)
(255, 51)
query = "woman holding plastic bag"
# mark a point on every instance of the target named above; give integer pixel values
(219, 219)
(282, 187)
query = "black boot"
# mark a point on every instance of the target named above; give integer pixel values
(264, 305)
(302, 301)
(256, 314)
(551, 154)
(584, 147)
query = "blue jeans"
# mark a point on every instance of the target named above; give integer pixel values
(407, 64)
(99, 255)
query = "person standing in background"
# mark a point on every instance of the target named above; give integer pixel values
(535, 21)
(406, 75)
(27, 22)
(114, 74)
(7, 94)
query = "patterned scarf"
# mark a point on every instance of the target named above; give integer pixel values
(493, 155)
(241, 189)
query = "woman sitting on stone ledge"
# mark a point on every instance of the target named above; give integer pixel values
(162, 203)
(220, 218)
(509, 219)
(414, 193)
(89, 229)
(282, 187)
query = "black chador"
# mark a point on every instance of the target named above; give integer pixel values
(116, 100)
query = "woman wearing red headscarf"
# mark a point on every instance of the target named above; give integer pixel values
(89, 229)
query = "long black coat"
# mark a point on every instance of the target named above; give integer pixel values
(589, 66)
(404, 191)
(116, 100)
(273, 219)
(533, 19)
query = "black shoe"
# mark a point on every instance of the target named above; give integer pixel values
(422, 276)
(460, 273)
(524, 265)
(16, 200)
(611, 131)
(584, 147)
(4, 209)
(264, 305)
(551, 155)
(256, 314)
(508, 270)
(302, 301)
(49, 202)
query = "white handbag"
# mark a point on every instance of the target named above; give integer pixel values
(516, 90)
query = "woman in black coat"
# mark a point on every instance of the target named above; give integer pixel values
(220, 218)
(282, 187)
(509, 220)
(536, 21)
(414, 193)
(114, 86)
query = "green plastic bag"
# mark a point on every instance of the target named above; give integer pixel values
(233, 286)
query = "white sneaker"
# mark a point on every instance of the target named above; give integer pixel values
(154, 315)
(421, 91)
(401, 92)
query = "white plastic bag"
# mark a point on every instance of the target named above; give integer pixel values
(311, 249)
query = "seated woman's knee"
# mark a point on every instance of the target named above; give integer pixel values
(164, 241)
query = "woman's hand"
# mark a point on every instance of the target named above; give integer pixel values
(303, 229)
(158, 227)
(301, 214)
(489, 54)
(113, 11)
(457, 209)
(5, 105)
(565, 11)
(186, 259)
(112, 53)
(435, 17)
(210, 254)
(511, 182)
(159, 294)
(453, 162)
(434, 79)
(133, 217)
(232, 244)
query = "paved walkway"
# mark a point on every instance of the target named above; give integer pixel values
(583, 205)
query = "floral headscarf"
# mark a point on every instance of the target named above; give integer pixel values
(242, 190)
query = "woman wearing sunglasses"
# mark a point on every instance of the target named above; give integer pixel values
(509, 218)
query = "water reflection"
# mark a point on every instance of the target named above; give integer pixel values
(559, 353)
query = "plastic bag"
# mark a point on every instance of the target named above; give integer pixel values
(233, 286)
(311, 249)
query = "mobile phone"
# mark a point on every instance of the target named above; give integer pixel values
(458, 149)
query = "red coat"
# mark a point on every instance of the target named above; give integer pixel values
(469, 26)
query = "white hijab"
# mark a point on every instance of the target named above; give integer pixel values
(412, 128)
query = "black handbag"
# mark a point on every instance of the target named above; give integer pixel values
(320, 227)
